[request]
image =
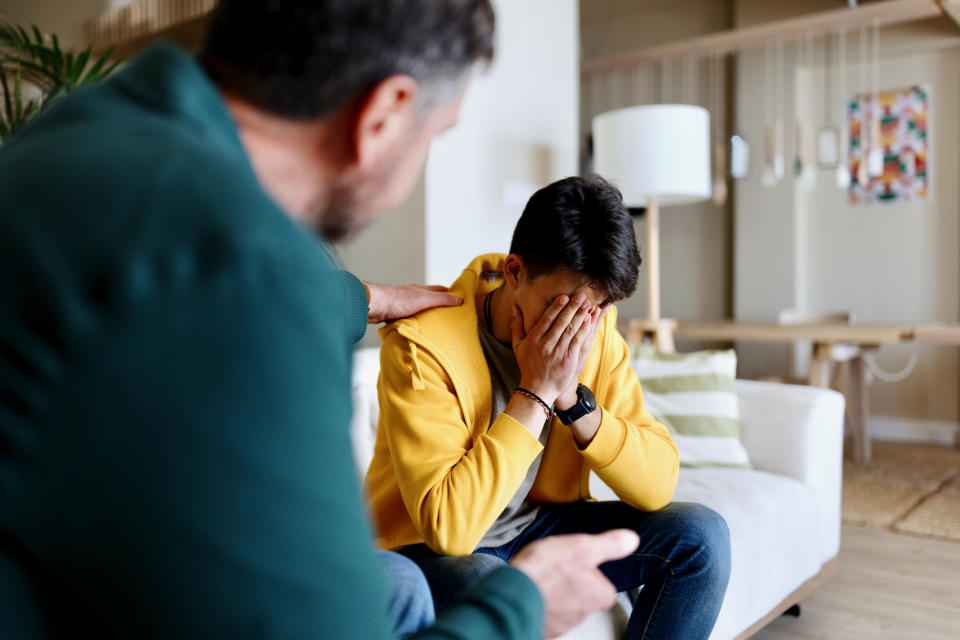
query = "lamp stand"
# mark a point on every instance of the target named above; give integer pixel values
(653, 260)
(659, 330)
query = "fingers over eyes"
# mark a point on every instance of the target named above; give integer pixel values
(547, 319)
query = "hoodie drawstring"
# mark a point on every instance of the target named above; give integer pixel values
(416, 376)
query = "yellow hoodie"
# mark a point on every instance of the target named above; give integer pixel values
(442, 473)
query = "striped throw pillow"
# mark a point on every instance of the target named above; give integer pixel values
(692, 395)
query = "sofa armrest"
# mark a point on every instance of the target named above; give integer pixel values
(366, 407)
(797, 431)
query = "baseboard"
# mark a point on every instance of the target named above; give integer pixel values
(914, 430)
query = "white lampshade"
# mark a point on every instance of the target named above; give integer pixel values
(659, 150)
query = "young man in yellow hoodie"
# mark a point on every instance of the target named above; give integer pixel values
(494, 413)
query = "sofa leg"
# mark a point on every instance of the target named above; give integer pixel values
(793, 611)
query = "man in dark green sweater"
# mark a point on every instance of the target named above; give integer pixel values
(175, 345)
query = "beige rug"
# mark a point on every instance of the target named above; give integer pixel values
(908, 488)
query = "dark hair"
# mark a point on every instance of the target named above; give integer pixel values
(582, 225)
(303, 59)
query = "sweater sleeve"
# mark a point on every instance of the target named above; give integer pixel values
(505, 604)
(196, 479)
(631, 452)
(357, 306)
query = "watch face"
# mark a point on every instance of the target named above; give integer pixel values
(586, 397)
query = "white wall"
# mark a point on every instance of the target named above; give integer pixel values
(765, 221)
(517, 132)
(885, 263)
(896, 262)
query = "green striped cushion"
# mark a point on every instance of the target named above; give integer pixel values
(692, 395)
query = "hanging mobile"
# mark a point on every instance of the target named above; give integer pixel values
(739, 157)
(828, 151)
(805, 166)
(778, 126)
(768, 175)
(875, 157)
(719, 149)
(798, 121)
(863, 179)
(843, 169)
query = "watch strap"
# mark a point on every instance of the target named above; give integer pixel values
(577, 411)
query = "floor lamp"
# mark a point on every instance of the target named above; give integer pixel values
(658, 155)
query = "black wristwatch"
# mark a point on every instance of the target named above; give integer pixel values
(586, 403)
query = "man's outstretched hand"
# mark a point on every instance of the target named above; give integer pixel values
(392, 303)
(564, 568)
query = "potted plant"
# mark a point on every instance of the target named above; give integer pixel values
(35, 71)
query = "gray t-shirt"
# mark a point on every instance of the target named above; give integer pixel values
(505, 376)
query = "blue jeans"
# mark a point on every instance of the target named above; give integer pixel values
(683, 562)
(410, 607)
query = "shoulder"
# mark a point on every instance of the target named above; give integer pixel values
(446, 326)
(443, 329)
(143, 213)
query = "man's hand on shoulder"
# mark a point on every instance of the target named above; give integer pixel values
(564, 568)
(395, 302)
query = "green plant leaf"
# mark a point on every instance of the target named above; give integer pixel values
(7, 101)
(24, 37)
(97, 72)
(6, 91)
(98, 63)
(17, 97)
(79, 65)
(28, 58)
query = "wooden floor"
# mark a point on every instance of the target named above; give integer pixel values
(888, 585)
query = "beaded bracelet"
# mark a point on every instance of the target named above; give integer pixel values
(530, 394)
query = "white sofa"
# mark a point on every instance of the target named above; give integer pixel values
(783, 515)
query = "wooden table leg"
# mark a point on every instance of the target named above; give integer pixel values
(857, 409)
(659, 332)
(664, 337)
(820, 366)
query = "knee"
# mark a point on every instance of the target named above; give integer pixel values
(448, 575)
(410, 601)
(477, 565)
(405, 573)
(710, 527)
(705, 531)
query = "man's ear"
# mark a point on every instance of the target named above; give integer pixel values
(385, 117)
(514, 271)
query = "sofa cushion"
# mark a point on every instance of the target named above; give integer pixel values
(773, 543)
(692, 394)
(366, 408)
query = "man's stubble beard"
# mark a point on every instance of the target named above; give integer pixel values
(335, 218)
(346, 210)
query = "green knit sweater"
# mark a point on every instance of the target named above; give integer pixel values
(175, 359)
